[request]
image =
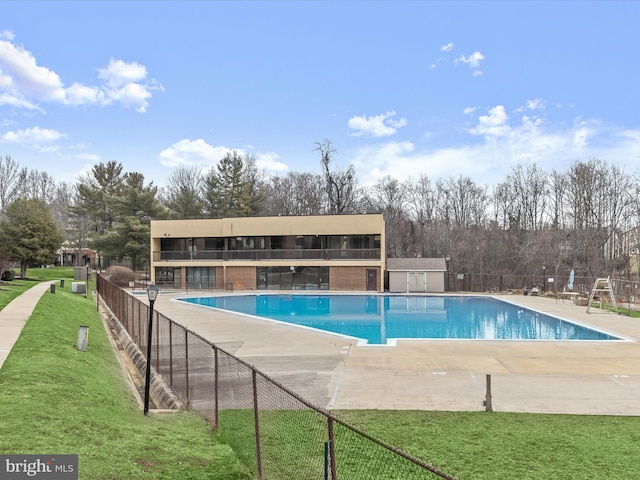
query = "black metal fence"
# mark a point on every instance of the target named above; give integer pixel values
(274, 431)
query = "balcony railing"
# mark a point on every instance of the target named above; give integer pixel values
(285, 254)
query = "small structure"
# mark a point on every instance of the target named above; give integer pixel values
(425, 275)
(602, 287)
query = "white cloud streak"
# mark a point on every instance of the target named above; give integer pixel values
(270, 162)
(193, 153)
(31, 136)
(199, 153)
(382, 125)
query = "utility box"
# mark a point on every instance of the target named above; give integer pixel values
(81, 273)
(78, 287)
(83, 338)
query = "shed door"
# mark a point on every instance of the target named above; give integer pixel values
(417, 281)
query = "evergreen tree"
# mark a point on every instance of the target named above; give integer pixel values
(129, 237)
(29, 233)
(231, 187)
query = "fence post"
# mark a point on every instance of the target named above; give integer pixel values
(157, 322)
(215, 386)
(487, 402)
(332, 450)
(171, 353)
(186, 355)
(256, 422)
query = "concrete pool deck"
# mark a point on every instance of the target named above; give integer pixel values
(573, 377)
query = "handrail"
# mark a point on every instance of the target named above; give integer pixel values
(271, 254)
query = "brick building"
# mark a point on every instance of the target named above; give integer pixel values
(323, 252)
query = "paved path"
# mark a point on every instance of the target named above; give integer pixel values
(15, 315)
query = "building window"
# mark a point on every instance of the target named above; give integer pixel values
(293, 278)
(169, 277)
(201, 277)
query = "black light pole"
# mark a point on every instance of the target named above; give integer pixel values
(446, 260)
(152, 294)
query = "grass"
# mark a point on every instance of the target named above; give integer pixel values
(479, 445)
(58, 400)
(467, 445)
(10, 290)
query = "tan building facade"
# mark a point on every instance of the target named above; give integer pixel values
(323, 252)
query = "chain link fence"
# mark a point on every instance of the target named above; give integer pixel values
(274, 431)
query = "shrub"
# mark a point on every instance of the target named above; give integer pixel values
(8, 276)
(120, 276)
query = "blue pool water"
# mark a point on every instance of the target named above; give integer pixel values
(377, 318)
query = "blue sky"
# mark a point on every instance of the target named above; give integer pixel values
(401, 88)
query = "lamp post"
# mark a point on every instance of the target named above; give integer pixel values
(446, 260)
(544, 278)
(152, 294)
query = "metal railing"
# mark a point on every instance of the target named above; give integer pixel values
(274, 254)
(261, 419)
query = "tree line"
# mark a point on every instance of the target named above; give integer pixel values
(560, 220)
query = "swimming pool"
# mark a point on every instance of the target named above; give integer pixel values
(377, 319)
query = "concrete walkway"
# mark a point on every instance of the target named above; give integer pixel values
(14, 316)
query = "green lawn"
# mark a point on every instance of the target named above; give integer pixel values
(10, 290)
(56, 399)
(479, 445)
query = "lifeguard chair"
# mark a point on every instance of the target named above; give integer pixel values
(601, 287)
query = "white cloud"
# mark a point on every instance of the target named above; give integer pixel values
(382, 125)
(532, 105)
(269, 161)
(6, 35)
(78, 94)
(492, 125)
(199, 153)
(24, 83)
(25, 77)
(88, 157)
(473, 61)
(131, 95)
(447, 48)
(7, 99)
(193, 152)
(126, 83)
(119, 73)
(31, 136)
(535, 104)
(469, 110)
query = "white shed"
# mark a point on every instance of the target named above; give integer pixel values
(417, 274)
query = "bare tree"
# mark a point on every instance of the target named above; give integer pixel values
(183, 195)
(389, 197)
(9, 181)
(341, 185)
(295, 194)
(466, 202)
